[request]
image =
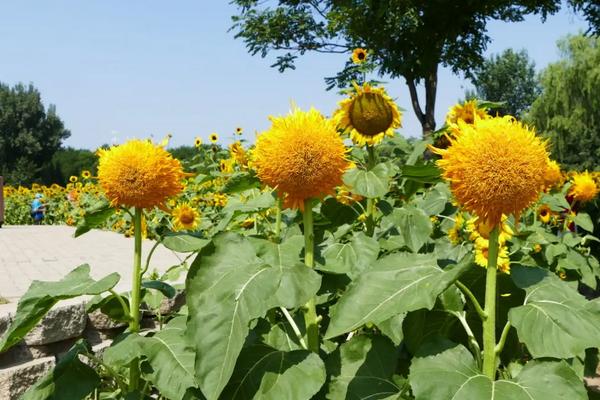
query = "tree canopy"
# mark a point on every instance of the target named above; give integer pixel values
(407, 39)
(30, 134)
(568, 109)
(509, 78)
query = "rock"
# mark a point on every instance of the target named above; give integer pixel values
(100, 321)
(169, 306)
(61, 323)
(5, 321)
(14, 381)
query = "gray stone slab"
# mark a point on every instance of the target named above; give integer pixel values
(14, 381)
(61, 323)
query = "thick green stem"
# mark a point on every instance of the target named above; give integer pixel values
(503, 336)
(278, 219)
(310, 314)
(489, 324)
(134, 305)
(467, 292)
(370, 222)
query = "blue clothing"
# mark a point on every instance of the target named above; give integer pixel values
(37, 212)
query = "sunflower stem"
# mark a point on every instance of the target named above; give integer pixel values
(370, 222)
(489, 324)
(467, 292)
(134, 306)
(310, 313)
(278, 219)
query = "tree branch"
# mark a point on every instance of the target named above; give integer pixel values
(414, 99)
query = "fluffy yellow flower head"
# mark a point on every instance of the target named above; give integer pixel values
(185, 217)
(584, 187)
(465, 112)
(301, 156)
(553, 176)
(368, 115)
(495, 166)
(139, 174)
(359, 56)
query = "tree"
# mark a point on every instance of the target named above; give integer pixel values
(568, 109)
(408, 39)
(67, 162)
(29, 134)
(509, 78)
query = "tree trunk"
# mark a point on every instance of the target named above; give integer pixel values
(427, 117)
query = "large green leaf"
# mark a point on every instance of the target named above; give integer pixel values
(227, 287)
(411, 228)
(453, 375)
(362, 369)
(265, 373)
(555, 320)
(239, 182)
(424, 173)
(169, 362)
(371, 184)
(351, 257)
(94, 218)
(184, 242)
(393, 285)
(70, 379)
(261, 202)
(42, 296)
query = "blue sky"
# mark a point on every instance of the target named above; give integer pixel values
(122, 69)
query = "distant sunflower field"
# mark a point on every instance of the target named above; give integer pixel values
(335, 260)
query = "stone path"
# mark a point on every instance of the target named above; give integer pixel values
(50, 252)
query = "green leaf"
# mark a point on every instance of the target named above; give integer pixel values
(350, 258)
(413, 228)
(583, 220)
(70, 379)
(395, 284)
(434, 201)
(163, 287)
(227, 287)
(362, 369)
(268, 374)
(169, 362)
(42, 296)
(555, 320)
(184, 242)
(424, 173)
(453, 375)
(259, 203)
(392, 328)
(94, 219)
(371, 184)
(239, 182)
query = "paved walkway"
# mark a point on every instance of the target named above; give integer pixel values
(50, 252)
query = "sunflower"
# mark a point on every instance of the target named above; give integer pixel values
(239, 130)
(368, 115)
(583, 187)
(545, 213)
(72, 179)
(495, 166)
(238, 153)
(219, 200)
(553, 176)
(198, 142)
(482, 253)
(185, 217)
(359, 56)
(214, 138)
(139, 174)
(465, 112)
(86, 174)
(226, 166)
(479, 228)
(302, 156)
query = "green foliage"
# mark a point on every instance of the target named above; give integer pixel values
(66, 163)
(30, 134)
(568, 110)
(509, 78)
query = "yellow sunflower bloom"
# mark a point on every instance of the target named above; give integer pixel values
(359, 56)
(198, 142)
(226, 166)
(185, 217)
(238, 153)
(545, 213)
(86, 174)
(72, 179)
(219, 200)
(139, 174)
(482, 253)
(479, 228)
(465, 112)
(239, 130)
(302, 156)
(214, 138)
(495, 166)
(553, 176)
(583, 187)
(368, 115)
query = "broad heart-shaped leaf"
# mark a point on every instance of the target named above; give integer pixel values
(395, 284)
(42, 296)
(555, 320)
(349, 258)
(183, 242)
(70, 379)
(410, 226)
(298, 283)
(94, 219)
(584, 221)
(227, 287)
(424, 173)
(392, 328)
(362, 369)
(169, 362)
(453, 375)
(371, 184)
(240, 181)
(163, 287)
(268, 374)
